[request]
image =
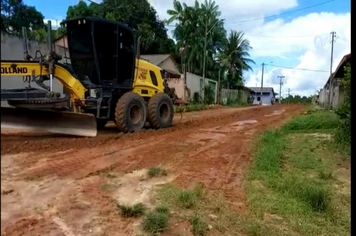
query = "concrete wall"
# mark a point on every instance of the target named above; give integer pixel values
(195, 83)
(332, 95)
(178, 84)
(12, 49)
(228, 94)
(336, 94)
(241, 96)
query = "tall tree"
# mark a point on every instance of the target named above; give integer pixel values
(234, 58)
(192, 23)
(15, 15)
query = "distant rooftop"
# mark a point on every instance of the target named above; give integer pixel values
(265, 89)
(155, 58)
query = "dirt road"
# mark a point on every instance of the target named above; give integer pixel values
(58, 185)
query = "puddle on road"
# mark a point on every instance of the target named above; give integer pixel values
(243, 122)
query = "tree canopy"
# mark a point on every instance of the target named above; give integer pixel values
(15, 15)
(225, 55)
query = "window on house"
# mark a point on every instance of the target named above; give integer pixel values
(258, 99)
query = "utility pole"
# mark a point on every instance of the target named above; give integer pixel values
(219, 87)
(333, 34)
(205, 52)
(280, 87)
(288, 92)
(205, 39)
(263, 67)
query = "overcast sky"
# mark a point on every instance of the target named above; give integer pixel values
(296, 36)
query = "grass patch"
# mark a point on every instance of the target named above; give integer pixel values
(325, 175)
(162, 209)
(271, 153)
(314, 121)
(199, 227)
(156, 171)
(189, 198)
(155, 222)
(293, 178)
(180, 198)
(136, 210)
(318, 197)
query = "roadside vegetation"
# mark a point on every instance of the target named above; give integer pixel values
(343, 134)
(300, 181)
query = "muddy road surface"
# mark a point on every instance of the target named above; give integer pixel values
(60, 185)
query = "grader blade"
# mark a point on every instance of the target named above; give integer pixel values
(49, 121)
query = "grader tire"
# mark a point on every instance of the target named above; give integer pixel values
(160, 111)
(130, 113)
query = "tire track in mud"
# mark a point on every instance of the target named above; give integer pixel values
(28, 142)
(130, 155)
(211, 150)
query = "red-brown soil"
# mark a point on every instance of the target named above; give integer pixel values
(59, 185)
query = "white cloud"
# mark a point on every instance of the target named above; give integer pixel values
(238, 10)
(312, 51)
(54, 22)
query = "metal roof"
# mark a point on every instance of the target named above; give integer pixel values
(155, 58)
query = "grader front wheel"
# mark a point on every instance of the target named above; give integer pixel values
(130, 113)
(160, 111)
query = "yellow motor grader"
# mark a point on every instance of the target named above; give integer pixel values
(105, 81)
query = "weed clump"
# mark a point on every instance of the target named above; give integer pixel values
(156, 171)
(136, 210)
(317, 197)
(156, 222)
(199, 227)
(189, 198)
(162, 209)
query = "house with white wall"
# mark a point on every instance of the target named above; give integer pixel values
(268, 95)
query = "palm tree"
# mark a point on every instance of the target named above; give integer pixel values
(234, 57)
(190, 31)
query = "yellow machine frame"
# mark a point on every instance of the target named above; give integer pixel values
(141, 82)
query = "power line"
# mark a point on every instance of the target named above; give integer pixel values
(271, 36)
(275, 15)
(292, 68)
(284, 13)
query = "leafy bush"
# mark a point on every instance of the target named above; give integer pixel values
(209, 95)
(196, 98)
(343, 135)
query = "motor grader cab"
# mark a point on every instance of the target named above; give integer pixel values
(106, 81)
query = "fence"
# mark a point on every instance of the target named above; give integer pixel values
(234, 96)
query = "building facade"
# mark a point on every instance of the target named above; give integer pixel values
(332, 94)
(268, 95)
